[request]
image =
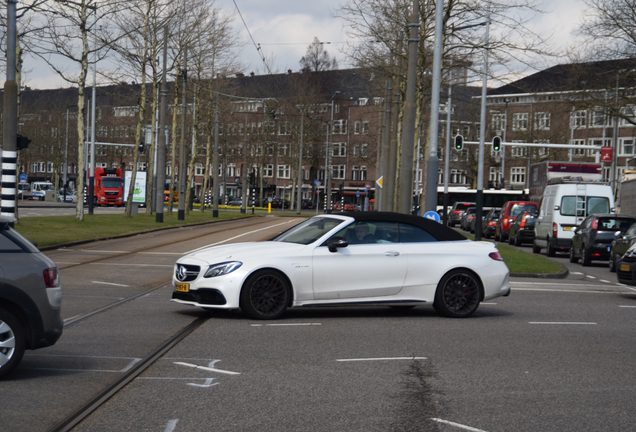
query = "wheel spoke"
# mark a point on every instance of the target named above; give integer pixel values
(461, 293)
(268, 295)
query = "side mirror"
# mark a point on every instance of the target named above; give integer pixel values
(336, 242)
(556, 207)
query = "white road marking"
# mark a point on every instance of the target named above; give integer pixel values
(207, 368)
(625, 306)
(563, 323)
(457, 425)
(381, 359)
(172, 424)
(286, 325)
(590, 276)
(627, 286)
(552, 284)
(238, 236)
(101, 251)
(208, 383)
(132, 265)
(569, 290)
(160, 253)
(491, 304)
(110, 283)
(603, 280)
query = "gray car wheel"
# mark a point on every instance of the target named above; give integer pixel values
(458, 294)
(12, 342)
(265, 295)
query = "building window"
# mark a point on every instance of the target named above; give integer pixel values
(283, 150)
(357, 128)
(231, 170)
(599, 118)
(363, 173)
(365, 127)
(339, 127)
(457, 177)
(268, 170)
(498, 123)
(50, 167)
(101, 165)
(198, 169)
(338, 150)
(363, 150)
(496, 174)
(626, 147)
(542, 121)
(355, 173)
(284, 171)
(356, 151)
(338, 171)
(518, 151)
(520, 122)
(577, 119)
(141, 166)
(628, 116)
(284, 128)
(607, 142)
(518, 175)
(578, 152)
(125, 111)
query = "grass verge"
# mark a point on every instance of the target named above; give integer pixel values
(53, 230)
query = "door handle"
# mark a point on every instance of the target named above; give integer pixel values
(392, 253)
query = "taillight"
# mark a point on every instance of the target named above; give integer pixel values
(496, 256)
(491, 223)
(595, 224)
(51, 277)
(457, 211)
(555, 229)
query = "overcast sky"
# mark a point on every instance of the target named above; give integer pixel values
(284, 29)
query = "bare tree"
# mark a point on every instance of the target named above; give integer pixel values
(609, 29)
(317, 58)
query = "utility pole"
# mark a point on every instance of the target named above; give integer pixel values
(161, 141)
(386, 145)
(182, 152)
(215, 161)
(391, 179)
(408, 130)
(10, 120)
(91, 178)
(432, 165)
(300, 162)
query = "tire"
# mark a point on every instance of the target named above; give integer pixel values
(587, 257)
(612, 263)
(549, 251)
(535, 249)
(458, 294)
(517, 241)
(497, 237)
(573, 258)
(12, 342)
(265, 295)
(486, 234)
(510, 239)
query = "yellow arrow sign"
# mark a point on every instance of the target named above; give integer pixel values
(379, 181)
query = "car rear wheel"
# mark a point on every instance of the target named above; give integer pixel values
(549, 251)
(587, 257)
(573, 258)
(535, 249)
(458, 294)
(265, 295)
(517, 241)
(12, 342)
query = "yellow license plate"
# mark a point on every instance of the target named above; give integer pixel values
(566, 228)
(182, 287)
(624, 267)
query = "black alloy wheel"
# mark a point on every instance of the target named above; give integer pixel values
(265, 295)
(12, 342)
(586, 257)
(458, 294)
(612, 262)
(573, 258)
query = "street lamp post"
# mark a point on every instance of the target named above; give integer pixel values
(327, 160)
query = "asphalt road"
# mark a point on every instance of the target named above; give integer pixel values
(556, 355)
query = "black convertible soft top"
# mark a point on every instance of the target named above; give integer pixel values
(436, 229)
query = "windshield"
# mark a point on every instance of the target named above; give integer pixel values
(572, 204)
(113, 183)
(614, 224)
(308, 231)
(45, 186)
(518, 208)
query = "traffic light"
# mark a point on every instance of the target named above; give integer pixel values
(142, 145)
(252, 179)
(22, 142)
(459, 142)
(496, 143)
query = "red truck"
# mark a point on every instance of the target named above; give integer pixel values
(109, 188)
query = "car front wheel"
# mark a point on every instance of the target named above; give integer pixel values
(12, 342)
(265, 295)
(457, 294)
(612, 263)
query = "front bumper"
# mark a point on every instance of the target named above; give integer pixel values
(626, 271)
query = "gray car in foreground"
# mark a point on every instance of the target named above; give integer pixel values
(30, 298)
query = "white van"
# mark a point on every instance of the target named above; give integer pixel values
(563, 208)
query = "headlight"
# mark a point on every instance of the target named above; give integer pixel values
(222, 269)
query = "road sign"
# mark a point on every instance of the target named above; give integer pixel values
(433, 215)
(368, 186)
(357, 193)
(379, 181)
(22, 177)
(317, 182)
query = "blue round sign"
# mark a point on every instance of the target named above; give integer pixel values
(433, 215)
(22, 177)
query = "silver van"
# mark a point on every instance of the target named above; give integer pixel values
(563, 208)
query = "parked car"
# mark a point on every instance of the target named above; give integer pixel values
(509, 211)
(347, 207)
(469, 215)
(522, 228)
(235, 202)
(626, 267)
(456, 213)
(70, 197)
(30, 298)
(280, 203)
(307, 204)
(593, 239)
(488, 224)
(620, 245)
(347, 254)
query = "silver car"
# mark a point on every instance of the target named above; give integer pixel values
(30, 298)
